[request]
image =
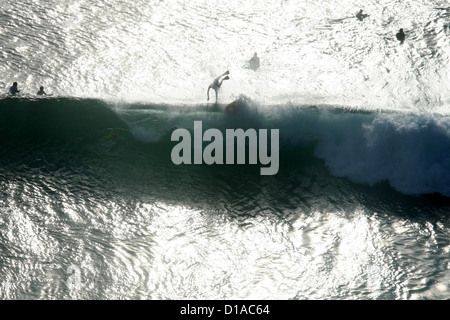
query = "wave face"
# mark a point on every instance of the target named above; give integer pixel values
(409, 151)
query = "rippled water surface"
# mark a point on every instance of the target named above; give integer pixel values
(168, 51)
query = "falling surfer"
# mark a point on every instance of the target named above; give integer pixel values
(217, 83)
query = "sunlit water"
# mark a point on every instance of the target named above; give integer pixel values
(168, 51)
(79, 221)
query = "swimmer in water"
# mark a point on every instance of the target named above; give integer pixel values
(254, 62)
(400, 36)
(217, 83)
(360, 15)
(41, 91)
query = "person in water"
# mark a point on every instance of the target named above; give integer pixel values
(400, 36)
(217, 83)
(360, 15)
(254, 62)
(13, 89)
(41, 91)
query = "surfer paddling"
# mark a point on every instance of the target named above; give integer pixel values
(217, 83)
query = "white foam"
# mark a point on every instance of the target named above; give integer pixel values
(411, 152)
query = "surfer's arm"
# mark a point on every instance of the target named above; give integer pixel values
(207, 93)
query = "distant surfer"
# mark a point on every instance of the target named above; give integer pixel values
(254, 62)
(400, 36)
(13, 89)
(217, 83)
(41, 91)
(360, 15)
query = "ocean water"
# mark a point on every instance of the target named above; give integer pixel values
(93, 207)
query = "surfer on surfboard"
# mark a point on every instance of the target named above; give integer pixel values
(217, 83)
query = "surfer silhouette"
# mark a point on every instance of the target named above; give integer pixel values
(13, 89)
(254, 62)
(217, 83)
(360, 15)
(41, 91)
(400, 36)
